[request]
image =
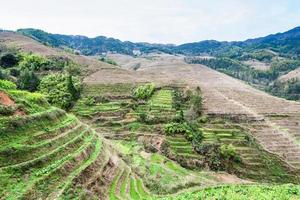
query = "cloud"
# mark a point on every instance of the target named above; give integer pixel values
(163, 21)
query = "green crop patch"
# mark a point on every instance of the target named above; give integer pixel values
(243, 192)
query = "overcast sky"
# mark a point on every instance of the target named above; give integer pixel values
(156, 21)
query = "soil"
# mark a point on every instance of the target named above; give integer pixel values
(228, 178)
(5, 100)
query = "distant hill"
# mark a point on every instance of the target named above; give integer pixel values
(91, 46)
(287, 43)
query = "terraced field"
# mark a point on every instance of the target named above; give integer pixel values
(256, 163)
(118, 148)
(230, 98)
(123, 124)
(45, 151)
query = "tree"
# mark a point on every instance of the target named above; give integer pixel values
(28, 80)
(9, 60)
(61, 90)
(33, 62)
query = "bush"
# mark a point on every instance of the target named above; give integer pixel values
(89, 101)
(60, 89)
(28, 81)
(144, 91)
(9, 60)
(143, 117)
(228, 152)
(4, 74)
(33, 62)
(179, 117)
(189, 130)
(7, 85)
(177, 100)
(175, 128)
(7, 110)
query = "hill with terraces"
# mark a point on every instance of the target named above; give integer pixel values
(114, 145)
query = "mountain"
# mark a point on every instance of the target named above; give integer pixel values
(287, 43)
(90, 46)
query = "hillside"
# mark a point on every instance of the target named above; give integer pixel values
(269, 115)
(25, 44)
(152, 127)
(286, 43)
(260, 61)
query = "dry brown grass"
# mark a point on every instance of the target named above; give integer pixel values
(295, 74)
(258, 65)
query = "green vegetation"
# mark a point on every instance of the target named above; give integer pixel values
(28, 71)
(243, 192)
(107, 60)
(7, 85)
(56, 156)
(44, 147)
(161, 146)
(144, 91)
(61, 90)
(289, 89)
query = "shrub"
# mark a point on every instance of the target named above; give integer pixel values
(228, 151)
(177, 100)
(144, 91)
(179, 117)
(9, 60)
(7, 85)
(189, 130)
(7, 110)
(196, 101)
(33, 62)
(143, 117)
(175, 128)
(89, 101)
(28, 81)
(60, 89)
(4, 74)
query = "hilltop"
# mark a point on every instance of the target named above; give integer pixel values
(283, 43)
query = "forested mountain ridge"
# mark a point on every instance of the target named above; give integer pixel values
(282, 43)
(91, 46)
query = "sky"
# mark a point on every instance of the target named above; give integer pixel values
(155, 21)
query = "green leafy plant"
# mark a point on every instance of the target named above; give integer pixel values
(33, 62)
(28, 80)
(175, 128)
(143, 117)
(228, 151)
(60, 89)
(144, 91)
(7, 85)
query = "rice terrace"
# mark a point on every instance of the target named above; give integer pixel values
(100, 118)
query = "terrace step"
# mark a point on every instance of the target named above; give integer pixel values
(75, 173)
(74, 161)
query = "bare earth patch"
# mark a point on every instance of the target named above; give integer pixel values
(258, 65)
(295, 74)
